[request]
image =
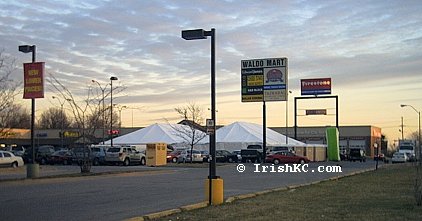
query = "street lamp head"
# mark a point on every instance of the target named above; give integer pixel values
(54, 97)
(93, 81)
(26, 48)
(403, 105)
(194, 34)
(113, 78)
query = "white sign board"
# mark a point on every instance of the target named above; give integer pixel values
(264, 79)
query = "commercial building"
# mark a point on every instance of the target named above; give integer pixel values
(364, 137)
(367, 138)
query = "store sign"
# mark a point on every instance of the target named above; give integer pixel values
(264, 79)
(113, 132)
(33, 80)
(316, 112)
(315, 86)
(70, 134)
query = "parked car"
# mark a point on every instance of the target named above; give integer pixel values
(98, 155)
(239, 156)
(274, 149)
(205, 155)
(285, 157)
(125, 156)
(225, 156)
(251, 155)
(8, 159)
(16, 150)
(411, 157)
(42, 153)
(356, 154)
(185, 156)
(174, 156)
(61, 157)
(399, 158)
(81, 154)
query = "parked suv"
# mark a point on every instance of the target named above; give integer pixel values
(42, 154)
(357, 154)
(125, 156)
(98, 155)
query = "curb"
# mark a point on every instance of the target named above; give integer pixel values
(161, 214)
(194, 206)
(239, 197)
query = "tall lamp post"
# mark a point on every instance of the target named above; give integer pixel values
(418, 147)
(111, 108)
(197, 34)
(62, 118)
(103, 92)
(32, 169)
(120, 108)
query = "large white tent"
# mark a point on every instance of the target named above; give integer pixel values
(155, 133)
(239, 135)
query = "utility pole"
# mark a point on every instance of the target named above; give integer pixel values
(402, 129)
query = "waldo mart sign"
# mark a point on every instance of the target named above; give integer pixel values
(264, 79)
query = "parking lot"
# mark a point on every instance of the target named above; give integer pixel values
(117, 196)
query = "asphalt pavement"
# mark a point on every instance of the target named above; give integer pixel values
(142, 190)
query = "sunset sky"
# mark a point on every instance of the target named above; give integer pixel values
(372, 50)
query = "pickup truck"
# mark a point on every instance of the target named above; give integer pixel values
(251, 155)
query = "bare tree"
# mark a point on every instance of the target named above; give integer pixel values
(54, 118)
(192, 118)
(8, 91)
(87, 113)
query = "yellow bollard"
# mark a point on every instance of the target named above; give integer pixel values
(217, 191)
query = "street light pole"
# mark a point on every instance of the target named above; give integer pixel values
(418, 147)
(111, 108)
(120, 108)
(103, 92)
(34, 168)
(197, 34)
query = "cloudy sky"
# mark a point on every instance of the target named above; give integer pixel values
(371, 50)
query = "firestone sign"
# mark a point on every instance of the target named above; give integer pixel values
(264, 79)
(315, 86)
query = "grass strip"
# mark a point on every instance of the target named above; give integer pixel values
(385, 194)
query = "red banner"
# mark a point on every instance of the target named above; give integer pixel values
(33, 80)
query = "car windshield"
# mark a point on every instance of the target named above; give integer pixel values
(113, 150)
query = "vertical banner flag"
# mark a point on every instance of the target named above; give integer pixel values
(33, 80)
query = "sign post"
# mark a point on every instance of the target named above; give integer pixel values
(264, 80)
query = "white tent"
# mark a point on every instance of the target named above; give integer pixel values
(155, 133)
(239, 135)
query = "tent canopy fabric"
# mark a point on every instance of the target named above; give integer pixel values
(156, 133)
(243, 132)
